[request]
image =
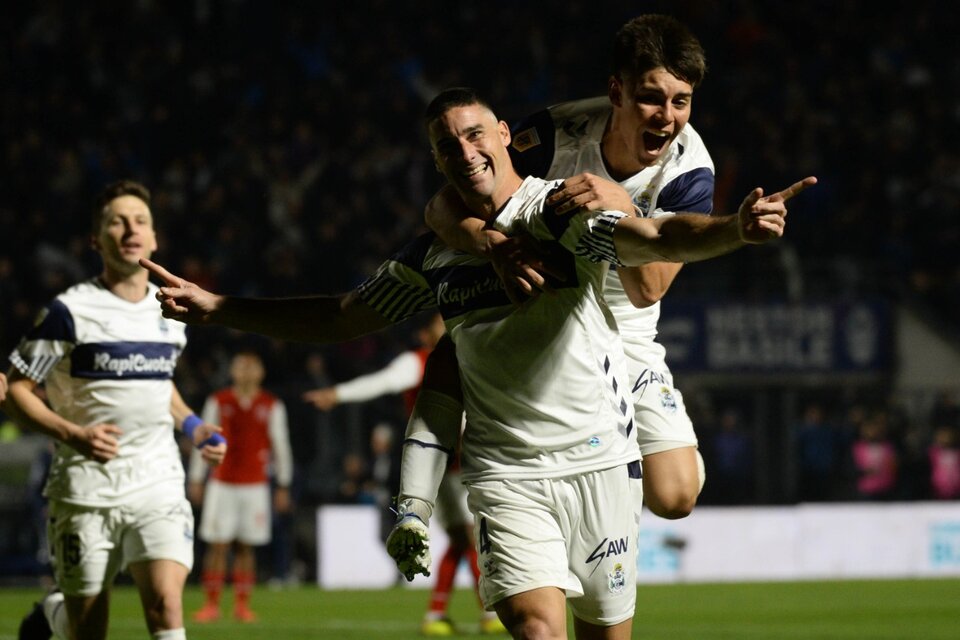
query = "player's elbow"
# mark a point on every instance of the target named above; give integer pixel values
(644, 297)
(671, 506)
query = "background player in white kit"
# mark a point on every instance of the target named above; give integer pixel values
(643, 156)
(116, 485)
(549, 426)
(236, 502)
(405, 374)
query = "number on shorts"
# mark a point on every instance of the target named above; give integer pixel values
(70, 547)
(484, 541)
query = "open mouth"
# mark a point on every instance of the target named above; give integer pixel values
(655, 141)
(475, 171)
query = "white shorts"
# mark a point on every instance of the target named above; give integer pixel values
(660, 416)
(452, 509)
(556, 533)
(90, 545)
(236, 512)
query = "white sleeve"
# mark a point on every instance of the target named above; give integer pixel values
(404, 372)
(431, 438)
(280, 445)
(198, 466)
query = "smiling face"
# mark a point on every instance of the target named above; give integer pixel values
(470, 148)
(126, 234)
(649, 113)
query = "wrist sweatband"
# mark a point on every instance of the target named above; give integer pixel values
(190, 424)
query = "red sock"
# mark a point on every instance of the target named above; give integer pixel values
(212, 582)
(444, 585)
(242, 587)
(471, 554)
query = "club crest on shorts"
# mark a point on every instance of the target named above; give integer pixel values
(667, 400)
(616, 579)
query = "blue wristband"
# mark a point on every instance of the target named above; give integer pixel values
(190, 424)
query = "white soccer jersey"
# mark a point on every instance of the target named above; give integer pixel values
(565, 141)
(107, 360)
(544, 384)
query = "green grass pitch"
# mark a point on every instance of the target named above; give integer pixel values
(854, 610)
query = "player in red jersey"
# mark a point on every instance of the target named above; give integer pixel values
(236, 502)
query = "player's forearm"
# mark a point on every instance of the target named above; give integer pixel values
(467, 235)
(28, 411)
(317, 319)
(179, 409)
(679, 238)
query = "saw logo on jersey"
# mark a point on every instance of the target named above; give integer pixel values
(129, 360)
(607, 549)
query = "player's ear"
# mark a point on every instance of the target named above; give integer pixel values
(504, 130)
(436, 163)
(615, 91)
(94, 243)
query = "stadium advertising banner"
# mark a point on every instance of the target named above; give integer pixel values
(714, 544)
(772, 338)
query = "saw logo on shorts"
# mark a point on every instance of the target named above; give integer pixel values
(606, 549)
(127, 360)
(648, 376)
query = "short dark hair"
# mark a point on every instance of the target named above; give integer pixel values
(110, 193)
(653, 40)
(450, 98)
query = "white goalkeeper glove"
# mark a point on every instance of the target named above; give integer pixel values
(409, 546)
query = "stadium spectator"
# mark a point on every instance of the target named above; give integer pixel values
(944, 460)
(876, 461)
(732, 460)
(236, 500)
(818, 453)
(116, 484)
(632, 150)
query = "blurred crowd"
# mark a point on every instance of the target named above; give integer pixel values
(284, 148)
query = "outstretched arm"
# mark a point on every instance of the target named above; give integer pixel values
(689, 238)
(318, 319)
(404, 372)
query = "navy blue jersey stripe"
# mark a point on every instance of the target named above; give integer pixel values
(690, 192)
(57, 324)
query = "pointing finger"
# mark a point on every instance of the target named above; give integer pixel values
(797, 187)
(160, 272)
